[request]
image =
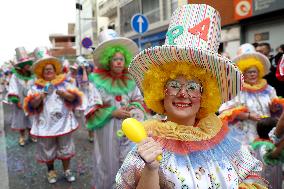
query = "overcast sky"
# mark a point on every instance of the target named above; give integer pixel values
(28, 23)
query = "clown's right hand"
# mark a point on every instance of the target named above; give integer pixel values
(121, 113)
(148, 150)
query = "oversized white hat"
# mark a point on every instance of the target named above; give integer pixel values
(109, 38)
(43, 58)
(193, 37)
(22, 56)
(247, 50)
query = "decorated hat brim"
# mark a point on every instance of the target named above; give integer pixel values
(122, 41)
(27, 62)
(228, 76)
(263, 59)
(39, 65)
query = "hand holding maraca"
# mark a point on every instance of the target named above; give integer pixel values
(148, 149)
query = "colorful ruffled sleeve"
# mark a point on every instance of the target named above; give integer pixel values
(93, 98)
(279, 104)
(229, 111)
(231, 114)
(248, 169)
(99, 116)
(28, 108)
(13, 91)
(78, 97)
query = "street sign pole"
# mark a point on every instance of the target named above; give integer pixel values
(139, 43)
(79, 8)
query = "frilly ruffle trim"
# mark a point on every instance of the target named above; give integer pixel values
(278, 101)
(231, 114)
(113, 85)
(100, 117)
(14, 98)
(57, 81)
(77, 101)
(22, 77)
(181, 139)
(28, 107)
(251, 186)
(262, 85)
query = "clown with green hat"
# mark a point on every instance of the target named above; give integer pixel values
(20, 82)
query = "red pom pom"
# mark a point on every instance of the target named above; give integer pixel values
(118, 98)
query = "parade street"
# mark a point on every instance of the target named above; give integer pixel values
(25, 172)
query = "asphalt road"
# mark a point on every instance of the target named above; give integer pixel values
(24, 172)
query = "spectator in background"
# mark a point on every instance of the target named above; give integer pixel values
(255, 45)
(271, 77)
(278, 56)
(265, 49)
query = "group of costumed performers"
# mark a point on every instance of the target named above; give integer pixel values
(256, 100)
(20, 82)
(186, 80)
(120, 99)
(51, 103)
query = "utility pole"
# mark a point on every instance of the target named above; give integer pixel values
(79, 8)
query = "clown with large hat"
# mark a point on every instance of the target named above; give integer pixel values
(51, 103)
(256, 100)
(186, 80)
(121, 99)
(19, 84)
(253, 105)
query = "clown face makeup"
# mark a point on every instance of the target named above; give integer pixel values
(49, 72)
(251, 76)
(182, 98)
(117, 63)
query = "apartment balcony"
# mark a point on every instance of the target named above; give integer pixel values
(108, 8)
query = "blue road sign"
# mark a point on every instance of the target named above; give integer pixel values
(139, 23)
(87, 42)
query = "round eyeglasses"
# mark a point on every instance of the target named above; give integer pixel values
(193, 89)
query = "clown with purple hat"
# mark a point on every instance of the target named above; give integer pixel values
(186, 80)
(20, 82)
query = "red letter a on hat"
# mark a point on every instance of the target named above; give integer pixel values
(201, 29)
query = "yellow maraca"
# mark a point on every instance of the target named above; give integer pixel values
(135, 132)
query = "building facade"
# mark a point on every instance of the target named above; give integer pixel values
(108, 14)
(261, 21)
(64, 45)
(158, 13)
(242, 20)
